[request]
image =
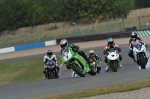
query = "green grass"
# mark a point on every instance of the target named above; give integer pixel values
(22, 71)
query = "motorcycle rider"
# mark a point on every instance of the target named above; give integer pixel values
(50, 56)
(111, 44)
(64, 44)
(94, 57)
(134, 39)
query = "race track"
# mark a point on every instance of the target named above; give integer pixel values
(65, 83)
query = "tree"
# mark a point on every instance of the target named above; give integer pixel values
(90, 9)
(141, 4)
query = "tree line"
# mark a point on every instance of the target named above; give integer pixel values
(21, 13)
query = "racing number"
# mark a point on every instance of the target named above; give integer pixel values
(67, 56)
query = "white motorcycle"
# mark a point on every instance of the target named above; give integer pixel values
(141, 55)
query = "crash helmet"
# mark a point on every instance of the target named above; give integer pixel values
(91, 53)
(63, 43)
(133, 35)
(49, 52)
(110, 41)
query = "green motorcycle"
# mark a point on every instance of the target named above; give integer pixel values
(77, 62)
(113, 60)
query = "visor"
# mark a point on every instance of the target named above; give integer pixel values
(91, 54)
(64, 45)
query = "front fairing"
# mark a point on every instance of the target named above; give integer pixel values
(139, 48)
(67, 54)
(113, 55)
(70, 57)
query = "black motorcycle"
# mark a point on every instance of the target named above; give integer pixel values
(51, 70)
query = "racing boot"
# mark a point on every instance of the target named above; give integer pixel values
(120, 65)
(74, 74)
(106, 70)
(57, 68)
(98, 70)
(139, 67)
(57, 74)
(57, 71)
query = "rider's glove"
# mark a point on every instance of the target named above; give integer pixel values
(105, 56)
(45, 66)
(56, 64)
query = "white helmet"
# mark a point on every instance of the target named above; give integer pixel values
(63, 43)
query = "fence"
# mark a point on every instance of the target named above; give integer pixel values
(54, 31)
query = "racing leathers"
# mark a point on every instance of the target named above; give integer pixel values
(76, 49)
(133, 42)
(52, 57)
(105, 52)
(96, 59)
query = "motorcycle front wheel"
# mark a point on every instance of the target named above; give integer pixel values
(78, 70)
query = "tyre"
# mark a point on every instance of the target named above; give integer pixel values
(92, 73)
(142, 61)
(48, 74)
(77, 69)
(114, 65)
(52, 75)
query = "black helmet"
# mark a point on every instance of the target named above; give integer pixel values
(133, 35)
(49, 52)
(110, 41)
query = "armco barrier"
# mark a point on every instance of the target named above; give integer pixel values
(49, 43)
(6, 50)
(75, 39)
(28, 46)
(96, 37)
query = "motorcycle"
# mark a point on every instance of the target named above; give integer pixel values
(113, 60)
(51, 71)
(76, 62)
(94, 64)
(141, 55)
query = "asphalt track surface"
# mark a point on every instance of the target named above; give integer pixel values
(66, 83)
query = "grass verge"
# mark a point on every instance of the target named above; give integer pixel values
(130, 86)
(22, 71)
